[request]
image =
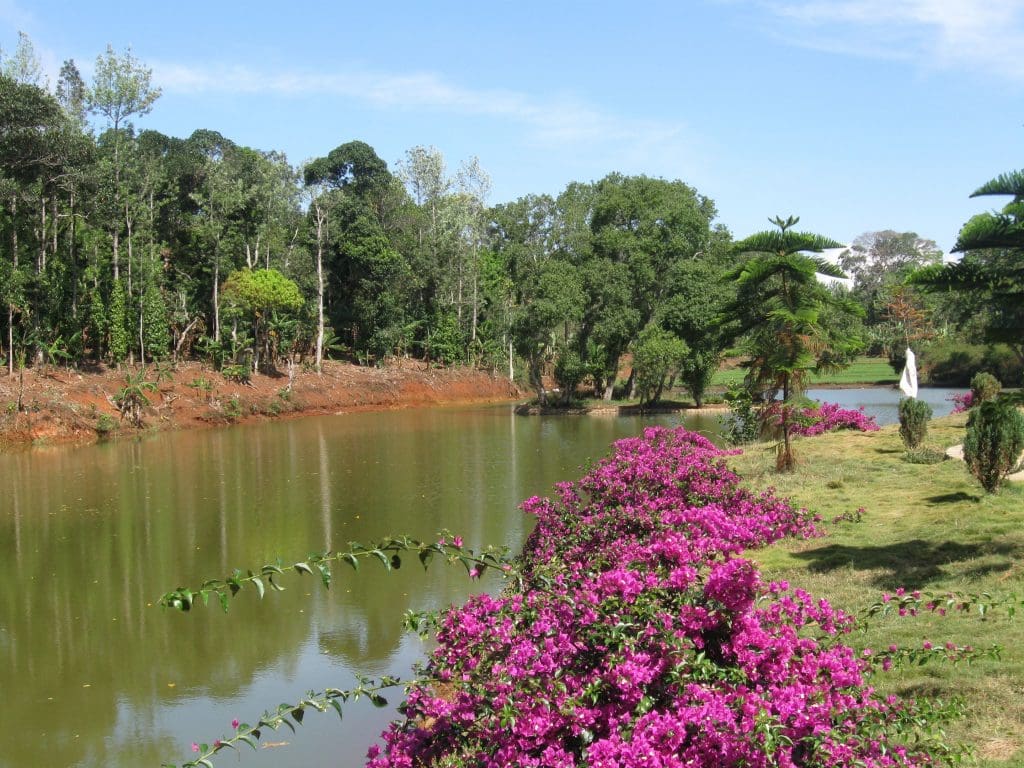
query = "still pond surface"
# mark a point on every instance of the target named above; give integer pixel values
(93, 673)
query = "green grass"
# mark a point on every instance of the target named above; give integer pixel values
(864, 370)
(927, 527)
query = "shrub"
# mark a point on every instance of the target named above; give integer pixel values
(742, 425)
(570, 370)
(914, 416)
(640, 638)
(105, 424)
(984, 386)
(995, 438)
(828, 417)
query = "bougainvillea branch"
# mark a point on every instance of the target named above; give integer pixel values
(388, 552)
(291, 715)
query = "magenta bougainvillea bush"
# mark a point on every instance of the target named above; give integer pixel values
(828, 417)
(639, 636)
(962, 403)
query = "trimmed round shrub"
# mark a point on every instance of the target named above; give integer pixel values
(995, 438)
(984, 386)
(914, 417)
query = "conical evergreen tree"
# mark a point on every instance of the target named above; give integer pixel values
(156, 335)
(119, 337)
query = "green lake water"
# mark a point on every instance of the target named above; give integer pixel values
(93, 673)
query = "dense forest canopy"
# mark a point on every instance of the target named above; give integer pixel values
(124, 245)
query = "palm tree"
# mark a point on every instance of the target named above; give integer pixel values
(993, 265)
(793, 323)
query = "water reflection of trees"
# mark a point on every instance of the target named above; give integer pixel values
(93, 537)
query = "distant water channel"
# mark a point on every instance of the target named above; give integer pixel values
(92, 673)
(883, 402)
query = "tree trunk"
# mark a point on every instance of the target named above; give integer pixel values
(321, 220)
(216, 300)
(10, 307)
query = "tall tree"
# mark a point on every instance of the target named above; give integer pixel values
(260, 293)
(641, 227)
(878, 262)
(24, 65)
(788, 316)
(71, 91)
(992, 269)
(696, 298)
(31, 123)
(122, 89)
(370, 280)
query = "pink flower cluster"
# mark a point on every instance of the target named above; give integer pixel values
(829, 416)
(641, 638)
(964, 402)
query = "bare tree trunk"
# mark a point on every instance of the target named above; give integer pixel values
(321, 220)
(216, 299)
(10, 307)
(41, 259)
(73, 257)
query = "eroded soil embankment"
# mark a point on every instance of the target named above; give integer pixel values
(57, 405)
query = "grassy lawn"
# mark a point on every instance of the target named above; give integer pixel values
(864, 370)
(926, 527)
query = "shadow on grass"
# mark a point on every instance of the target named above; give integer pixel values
(951, 498)
(912, 564)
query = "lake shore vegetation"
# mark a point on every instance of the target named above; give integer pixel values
(680, 601)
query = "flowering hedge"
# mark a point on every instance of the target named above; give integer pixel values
(639, 637)
(829, 416)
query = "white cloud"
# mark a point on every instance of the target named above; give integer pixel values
(982, 35)
(561, 122)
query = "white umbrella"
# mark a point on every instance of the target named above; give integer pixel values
(908, 381)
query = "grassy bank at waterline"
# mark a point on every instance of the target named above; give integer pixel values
(894, 524)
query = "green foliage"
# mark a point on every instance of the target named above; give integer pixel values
(924, 456)
(120, 338)
(984, 386)
(444, 342)
(156, 333)
(947, 362)
(132, 399)
(240, 374)
(696, 369)
(570, 371)
(656, 353)
(201, 385)
(914, 417)
(291, 715)
(261, 290)
(994, 441)
(989, 279)
(105, 424)
(233, 408)
(792, 323)
(388, 552)
(96, 328)
(743, 424)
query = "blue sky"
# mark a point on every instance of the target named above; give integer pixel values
(856, 115)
